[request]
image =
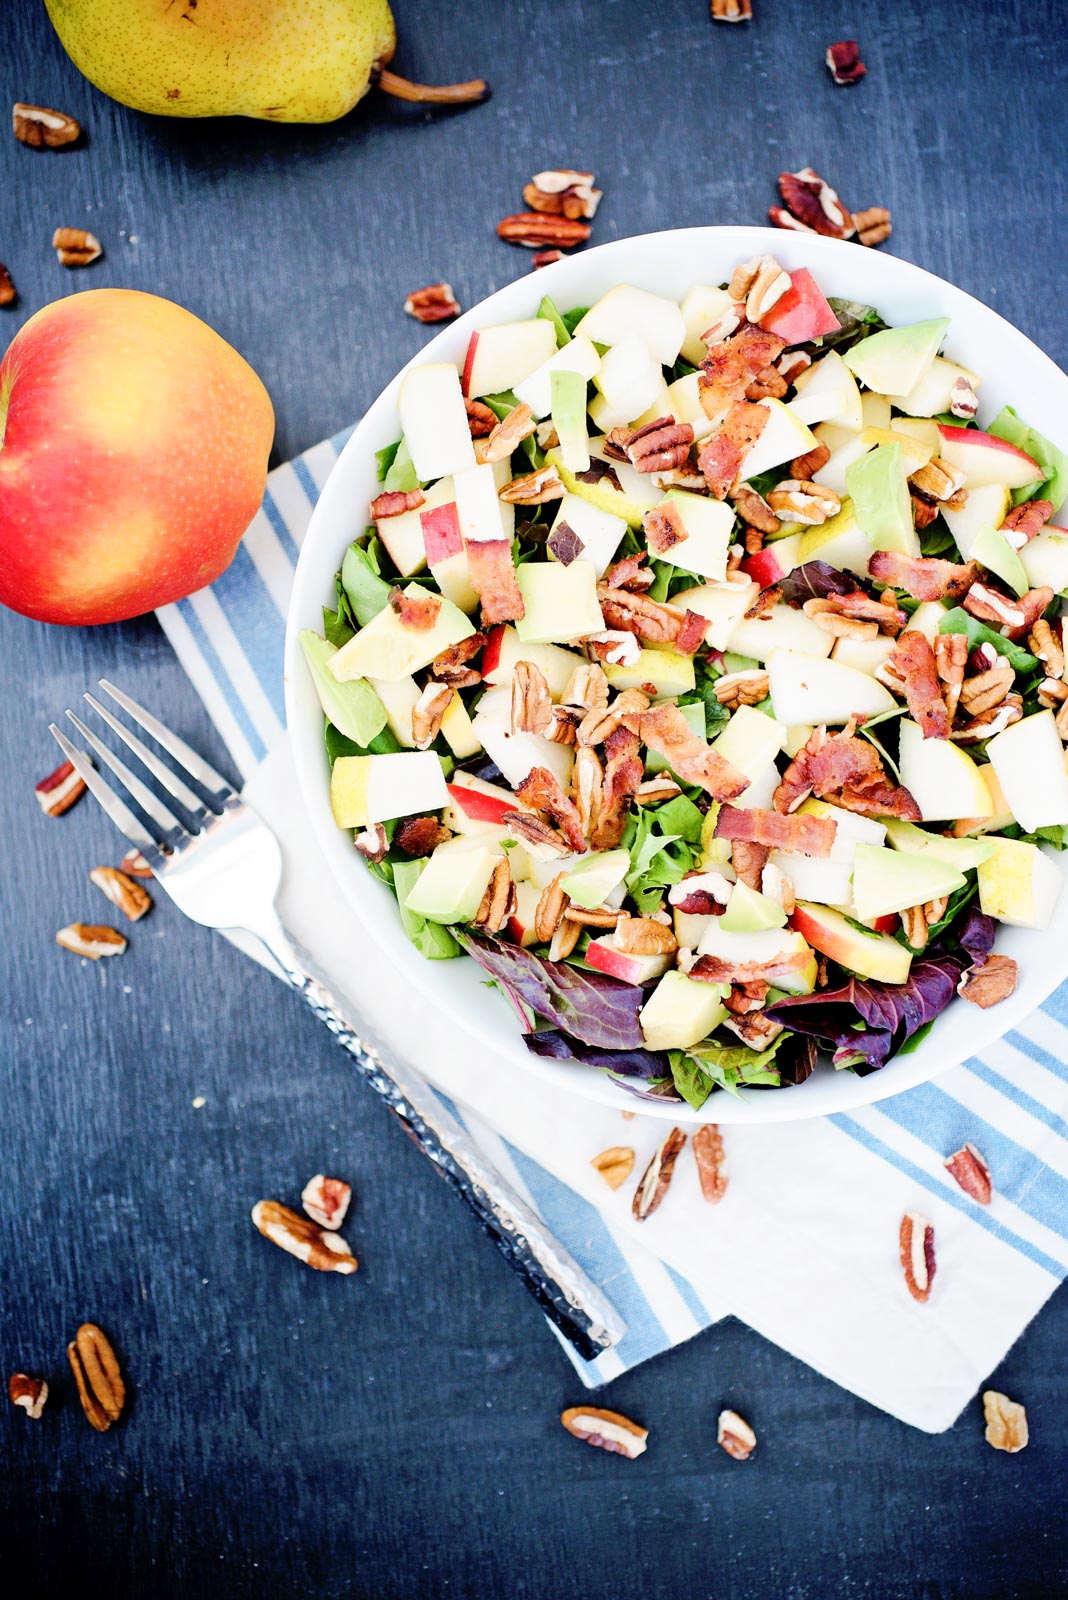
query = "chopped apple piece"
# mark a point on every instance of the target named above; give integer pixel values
(1019, 884)
(458, 730)
(598, 532)
(499, 358)
(444, 545)
(802, 313)
(887, 880)
(850, 828)
(775, 561)
(942, 779)
(825, 881)
(784, 437)
(578, 355)
(504, 649)
(399, 698)
(475, 804)
(866, 655)
(683, 402)
(808, 688)
(708, 525)
(840, 541)
(782, 629)
(723, 604)
(1045, 559)
(516, 754)
(478, 508)
(605, 956)
(628, 380)
(560, 602)
(626, 312)
(985, 507)
(434, 422)
(986, 459)
(868, 954)
(385, 648)
(366, 789)
(1028, 758)
(568, 391)
(763, 947)
(702, 307)
(750, 742)
(663, 673)
(827, 392)
(927, 619)
(932, 395)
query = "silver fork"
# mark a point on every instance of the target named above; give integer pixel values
(223, 868)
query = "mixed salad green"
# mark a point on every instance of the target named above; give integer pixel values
(700, 674)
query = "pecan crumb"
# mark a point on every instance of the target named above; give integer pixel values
(42, 128)
(326, 1200)
(131, 899)
(734, 1435)
(8, 292)
(608, 1430)
(994, 980)
(75, 247)
(317, 1247)
(970, 1172)
(58, 792)
(844, 63)
(435, 303)
(732, 10)
(711, 1168)
(614, 1165)
(28, 1393)
(91, 940)
(1006, 1422)
(873, 225)
(545, 258)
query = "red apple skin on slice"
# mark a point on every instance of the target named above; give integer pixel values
(966, 447)
(469, 361)
(603, 955)
(802, 313)
(487, 804)
(441, 533)
(491, 655)
(765, 568)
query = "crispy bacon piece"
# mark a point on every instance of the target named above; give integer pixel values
(881, 609)
(825, 764)
(634, 613)
(451, 666)
(731, 365)
(418, 836)
(623, 772)
(749, 860)
(394, 502)
(913, 661)
(806, 836)
(541, 790)
(884, 799)
(691, 633)
(629, 573)
(1025, 521)
(492, 574)
(664, 729)
(923, 577)
(663, 528)
(724, 451)
(714, 969)
(417, 612)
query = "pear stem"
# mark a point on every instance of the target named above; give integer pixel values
(444, 94)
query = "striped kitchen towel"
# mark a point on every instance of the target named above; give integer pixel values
(804, 1246)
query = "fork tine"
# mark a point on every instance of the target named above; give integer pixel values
(193, 763)
(159, 769)
(117, 809)
(174, 831)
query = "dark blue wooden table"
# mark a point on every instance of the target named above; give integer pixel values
(397, 1434)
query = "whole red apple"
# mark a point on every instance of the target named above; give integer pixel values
(133, 453)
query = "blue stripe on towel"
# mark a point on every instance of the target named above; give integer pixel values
(234, 702)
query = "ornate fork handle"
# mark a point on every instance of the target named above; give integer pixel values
(565, 1293)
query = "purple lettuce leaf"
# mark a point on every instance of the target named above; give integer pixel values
(976, 934)
(646, 1073)
(593, 1008)
(890, 1012)
(815, 580)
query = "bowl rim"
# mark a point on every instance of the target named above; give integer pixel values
(495, 1030)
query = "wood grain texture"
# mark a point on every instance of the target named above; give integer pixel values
(395, 1434)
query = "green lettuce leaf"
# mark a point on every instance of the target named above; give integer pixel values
(571, 319)
(1053, 485)
(367, 593)
(714, 1064)
(384, 459)
(959, 621)
(664, 843)
(548, 310)
(401, 473)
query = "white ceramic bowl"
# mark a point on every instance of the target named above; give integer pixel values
(1013, 371)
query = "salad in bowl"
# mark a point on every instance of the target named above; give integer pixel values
(698, 672)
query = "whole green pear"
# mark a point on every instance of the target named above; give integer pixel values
(282, 60)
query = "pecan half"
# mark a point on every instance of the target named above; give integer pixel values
(43, 129)
(916, 1248)
(655, 790)
(550, 909)
(873, 225)
(428, 711)
(656, 1179)
(761, 282)
(1044, 643)
(452, 667)
(498, 902)
(534, 488)
(801, 500)
(658, 447)
(812, 200)
(536, 230)
(541, 840)
(732, 10)
(507, 436)
(754, 509)
(937, 479)
(970, 1172)
(481, 419)
(28, 1393)
(992, 981)
(769, 384)
(1025, 522)
(802, 468)
(587, 688)
(317, 1247)
(131, 899)
(91, 939)
(986, 689)
(734, 1435)
(58, 792)
(746, 687)
(8, 292)
(711, 1168)
(101, 1389)
(608, 1430)
(75, 247)
(532, 707)
(643, 936)
(614, 1165)
(564, 939)
(1006, 1422)
(844, 63)
(326, 1200)
(561, 192)
(435, 303)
